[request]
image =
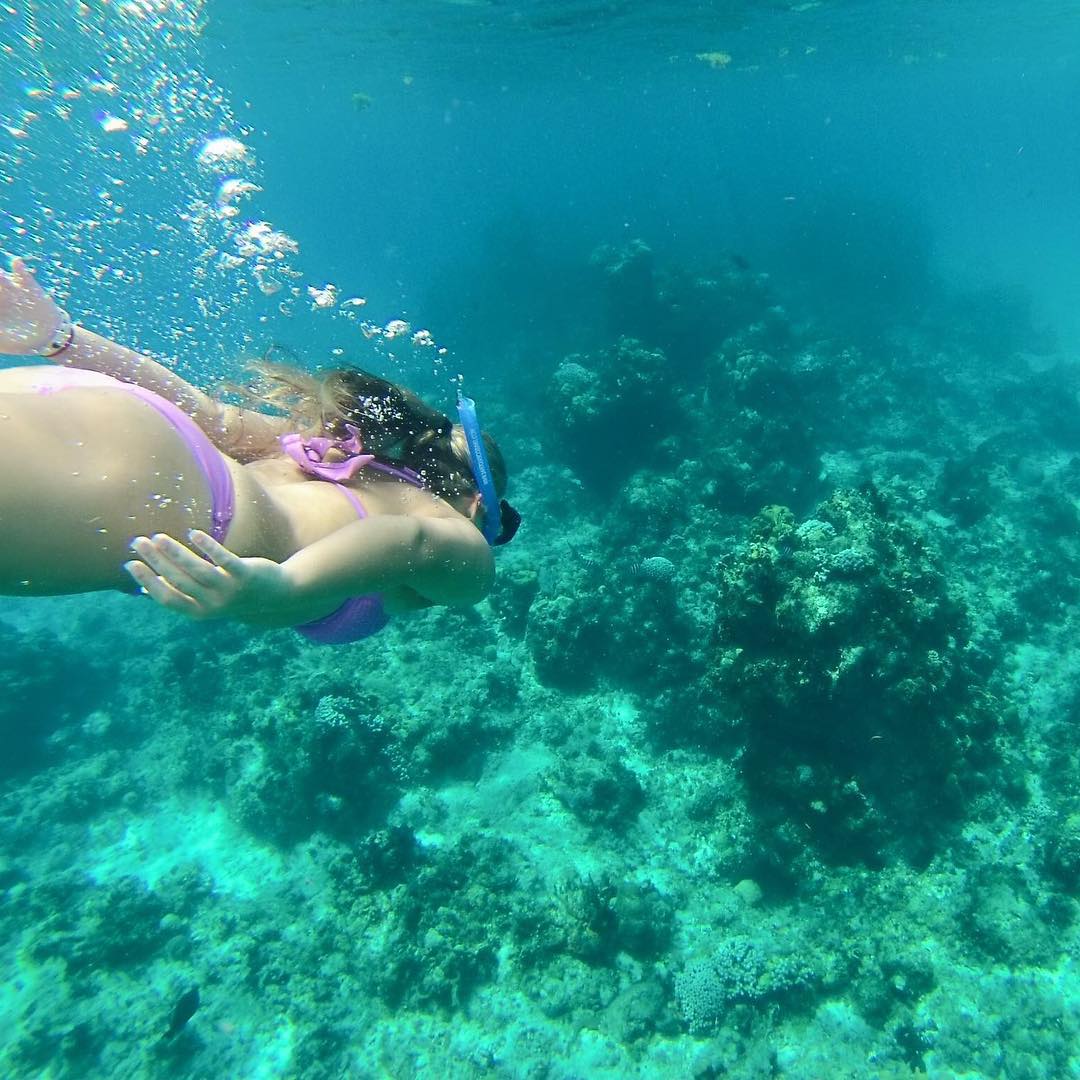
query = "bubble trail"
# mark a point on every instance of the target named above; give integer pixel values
(115, 146)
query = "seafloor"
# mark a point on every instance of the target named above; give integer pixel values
(760, 760)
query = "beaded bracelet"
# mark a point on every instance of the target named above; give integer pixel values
(62, 337)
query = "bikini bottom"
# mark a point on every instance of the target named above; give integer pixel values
(211, 463)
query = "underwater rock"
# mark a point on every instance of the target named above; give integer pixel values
(966, 491)
(452, 917)
(582, 920)
(579, 391)
(385, 857)
(600, 792)
(564, 638)
(629, 287)
(751, 395)
(117, 925)
(896, 978)
(685, 312)
(642, 513)
(1062, 853)
(1007, 920)
(638, 1012)
(611, 625)
(702, 354)
(336, 767)
(644, 920)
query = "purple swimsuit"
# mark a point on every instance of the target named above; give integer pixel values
(360, 616)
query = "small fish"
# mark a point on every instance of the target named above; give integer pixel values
(589, 562)
(182, 1012)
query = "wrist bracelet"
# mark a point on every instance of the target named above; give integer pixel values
(62, 337)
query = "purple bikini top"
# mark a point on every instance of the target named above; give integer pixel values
(360, 616)
(310, 455)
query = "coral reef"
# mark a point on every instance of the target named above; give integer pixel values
(741, 970)
(850, 669)
(46, 684)
(603, 407)
(760, 758)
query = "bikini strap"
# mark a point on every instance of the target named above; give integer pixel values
(399, 472)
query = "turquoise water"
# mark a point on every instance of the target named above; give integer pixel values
(760, 759)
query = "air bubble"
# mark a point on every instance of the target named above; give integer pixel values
(111, 124)
(224, 149)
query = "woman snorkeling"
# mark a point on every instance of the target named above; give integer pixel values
(359, 502)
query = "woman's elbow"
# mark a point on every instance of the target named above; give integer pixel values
(469, 579)
(458, 574)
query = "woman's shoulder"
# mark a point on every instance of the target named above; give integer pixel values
(385, 495)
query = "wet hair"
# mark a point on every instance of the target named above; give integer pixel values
(395, 424)
(444, 464)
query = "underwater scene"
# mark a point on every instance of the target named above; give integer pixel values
(760, 754)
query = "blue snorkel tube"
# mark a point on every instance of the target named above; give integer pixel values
(481, 468)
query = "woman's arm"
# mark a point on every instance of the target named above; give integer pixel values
(242, 433)
(32, 324)
(443, 560)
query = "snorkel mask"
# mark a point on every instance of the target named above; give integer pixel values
(499, 528)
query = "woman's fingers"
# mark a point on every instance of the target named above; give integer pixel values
(157, 588)
(184, 573)
(228, 587)
(175, 562)
(200, 583)
(21, 277)
(217, 553)
(28, 315)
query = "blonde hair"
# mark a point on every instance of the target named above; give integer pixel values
(394, 423)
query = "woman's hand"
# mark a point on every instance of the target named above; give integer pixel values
(220, 586)
(29, 317)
